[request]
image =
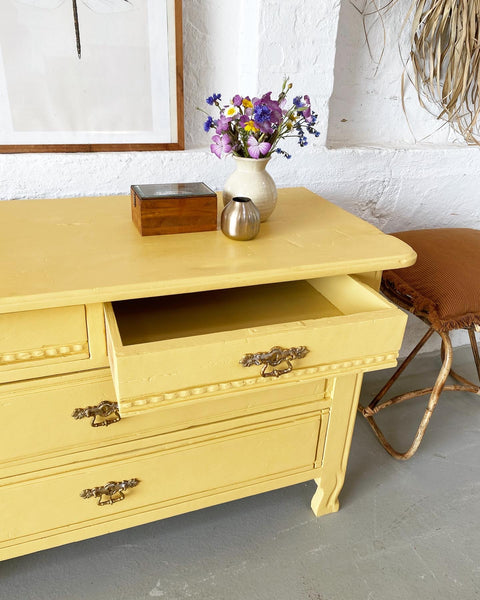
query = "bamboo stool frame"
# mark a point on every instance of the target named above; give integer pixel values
(376, 405)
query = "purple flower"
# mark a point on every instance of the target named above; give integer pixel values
(297, 101)
(307, 113)
(269, 111)
(212, 99)
(222, 144)
(237, 100)
(261, 113)
(274, 106)
(222, 124)
(285, 154)
(208, 124)
(256, 148)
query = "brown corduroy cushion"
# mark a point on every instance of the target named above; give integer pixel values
(444, 284)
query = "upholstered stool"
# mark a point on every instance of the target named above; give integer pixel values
(443, 289)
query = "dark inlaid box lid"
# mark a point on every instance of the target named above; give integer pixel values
(151, 191)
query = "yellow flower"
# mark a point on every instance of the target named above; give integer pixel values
(247, 103)
(291, 122)
(250, 126)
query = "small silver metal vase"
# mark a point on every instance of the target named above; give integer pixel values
(240, 219)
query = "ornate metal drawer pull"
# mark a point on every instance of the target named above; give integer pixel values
(113, 491)
(104, 410)
(273, 358)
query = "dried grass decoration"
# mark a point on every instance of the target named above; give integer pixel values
(445, 59)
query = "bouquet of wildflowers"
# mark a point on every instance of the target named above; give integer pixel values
(253, 127)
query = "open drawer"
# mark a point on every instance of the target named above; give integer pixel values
(199, 344)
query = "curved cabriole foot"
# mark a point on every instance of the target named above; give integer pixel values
(324, 503)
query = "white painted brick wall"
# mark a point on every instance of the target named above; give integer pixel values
(368, 164)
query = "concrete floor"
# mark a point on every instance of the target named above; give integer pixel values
(404, 531)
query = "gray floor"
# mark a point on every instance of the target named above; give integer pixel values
(404, 531)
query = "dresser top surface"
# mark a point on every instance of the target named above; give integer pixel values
(83, 250)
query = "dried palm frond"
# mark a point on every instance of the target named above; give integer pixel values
(444, 58)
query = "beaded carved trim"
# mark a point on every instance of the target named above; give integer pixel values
(361, 364)
(46, 352)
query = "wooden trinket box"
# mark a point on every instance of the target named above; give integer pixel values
(173, 208)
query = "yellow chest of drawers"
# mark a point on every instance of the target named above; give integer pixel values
(145, 377)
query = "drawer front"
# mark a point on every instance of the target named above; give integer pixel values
(41, 426)
(37, 343)
(344, 325)
(171, 474)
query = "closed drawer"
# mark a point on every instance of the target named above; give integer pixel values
(193, 345)
(204, 463)
(41, 426)
(36, 343)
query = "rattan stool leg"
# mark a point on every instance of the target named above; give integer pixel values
(467, 385)
(374, 407)
(370, 409)
(474, 346)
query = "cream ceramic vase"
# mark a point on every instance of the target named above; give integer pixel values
(250, 179)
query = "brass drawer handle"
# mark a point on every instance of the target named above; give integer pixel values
(113, 490)
(273, 358)
(104, 410)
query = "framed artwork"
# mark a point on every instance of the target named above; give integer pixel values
(91, 75)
